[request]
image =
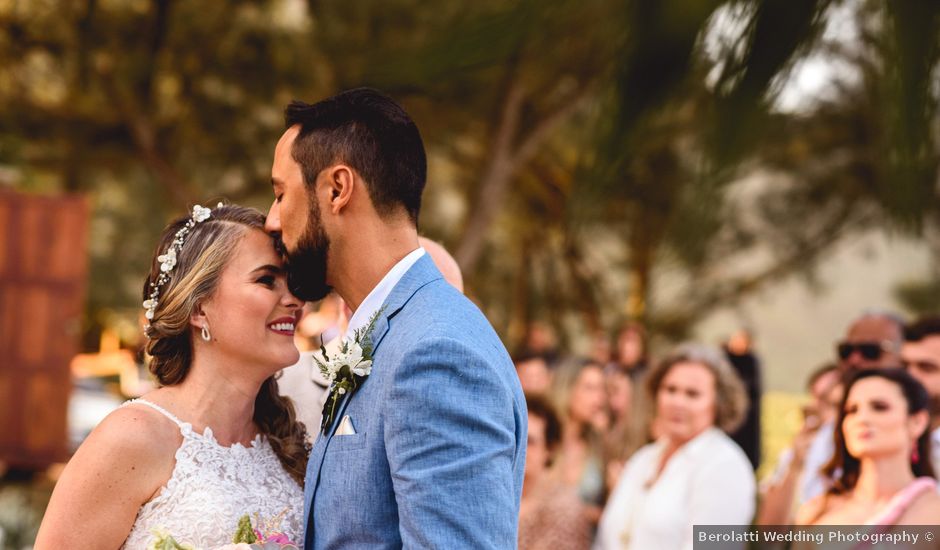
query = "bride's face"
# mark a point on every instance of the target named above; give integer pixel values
(252, 314)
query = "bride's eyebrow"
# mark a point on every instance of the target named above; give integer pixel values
(269, 268)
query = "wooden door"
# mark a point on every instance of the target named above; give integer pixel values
(43, 274)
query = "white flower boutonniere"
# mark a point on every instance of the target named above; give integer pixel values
(347, 369)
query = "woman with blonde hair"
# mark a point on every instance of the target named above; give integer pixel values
(579, 396)
(694, 474)
(216, 441)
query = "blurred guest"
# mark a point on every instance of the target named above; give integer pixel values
(551, 514)
(631, 347)
(535, 373)
(872, 341)
(580, 397)
(601, 352)
(781, 490)
(444, 262)
(630, 356)
(694, 474)
(921, 357)
(626, 433)
(303, 382)
(881, 467)
(739, 351)
(540, 339)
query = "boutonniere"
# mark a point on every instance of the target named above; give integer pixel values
(347, 369)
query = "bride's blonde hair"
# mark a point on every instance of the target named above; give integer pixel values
(199, 265)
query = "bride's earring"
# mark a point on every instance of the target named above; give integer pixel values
(205, 333)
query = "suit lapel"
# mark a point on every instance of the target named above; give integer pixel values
(420, 274)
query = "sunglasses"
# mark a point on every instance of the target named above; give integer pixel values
(871, 351)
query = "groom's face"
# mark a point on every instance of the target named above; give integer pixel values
(295, 218)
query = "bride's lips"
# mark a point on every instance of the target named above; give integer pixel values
(283, 325)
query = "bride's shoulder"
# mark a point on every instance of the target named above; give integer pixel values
(139, 431)
(131, 451)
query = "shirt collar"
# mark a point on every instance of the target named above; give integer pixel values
(693, 446)
(377, 296)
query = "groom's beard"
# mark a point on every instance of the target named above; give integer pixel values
(306, 266)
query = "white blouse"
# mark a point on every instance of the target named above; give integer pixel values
(708, 481)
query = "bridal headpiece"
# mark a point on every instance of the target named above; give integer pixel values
(168, 259)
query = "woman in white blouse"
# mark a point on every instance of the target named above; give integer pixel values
(693, 474)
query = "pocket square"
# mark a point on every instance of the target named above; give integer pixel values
(345, 427)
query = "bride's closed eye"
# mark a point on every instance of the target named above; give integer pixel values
(266, 280)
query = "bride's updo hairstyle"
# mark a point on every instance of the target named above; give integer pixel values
(199, 262)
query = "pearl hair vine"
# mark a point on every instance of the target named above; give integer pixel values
(168, 260)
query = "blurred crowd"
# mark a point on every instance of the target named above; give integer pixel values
(630, 451)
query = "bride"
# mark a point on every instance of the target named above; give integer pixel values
(216, 441)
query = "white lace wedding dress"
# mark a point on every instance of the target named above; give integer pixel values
(213, 486)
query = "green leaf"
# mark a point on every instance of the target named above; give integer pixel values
(163, 541)
(245, 533)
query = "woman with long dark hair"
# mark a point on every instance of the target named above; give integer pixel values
(881, 465)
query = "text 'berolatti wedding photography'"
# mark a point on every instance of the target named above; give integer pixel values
(715, 537)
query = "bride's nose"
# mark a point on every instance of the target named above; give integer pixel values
(290, 301)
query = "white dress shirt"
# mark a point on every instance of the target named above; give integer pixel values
(377, 296)
(821, 449)
(707, 481)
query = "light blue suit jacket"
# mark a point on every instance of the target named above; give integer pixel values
(439, 451)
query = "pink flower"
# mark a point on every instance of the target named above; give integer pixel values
(279, 538)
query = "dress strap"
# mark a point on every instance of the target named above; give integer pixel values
(902, 501)
(157, 408)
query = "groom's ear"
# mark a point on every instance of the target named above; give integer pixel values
(341, 182)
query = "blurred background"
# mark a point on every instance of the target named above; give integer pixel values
(696, 167)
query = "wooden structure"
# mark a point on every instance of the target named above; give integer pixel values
(43, 274)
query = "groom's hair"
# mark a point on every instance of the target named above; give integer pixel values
(372, 134)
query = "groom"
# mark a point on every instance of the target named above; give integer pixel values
(428, 451)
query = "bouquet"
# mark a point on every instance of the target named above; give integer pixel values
(247, 537)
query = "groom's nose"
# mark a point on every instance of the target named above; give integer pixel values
(272, 224)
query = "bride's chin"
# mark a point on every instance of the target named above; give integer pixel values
(290, 359)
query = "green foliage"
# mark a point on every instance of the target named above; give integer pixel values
(245, 533)
(920, 297)
(581, 152)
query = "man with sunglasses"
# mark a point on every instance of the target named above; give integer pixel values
(872, 341)
(921, 358)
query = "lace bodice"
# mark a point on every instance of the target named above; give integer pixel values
(213, 486)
